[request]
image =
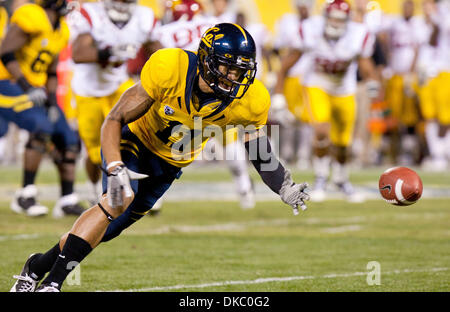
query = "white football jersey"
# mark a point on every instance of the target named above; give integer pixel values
(404, 38)
(187, 34)
(262, 37)
(428, 61)
(184, 34)
(333, 64)
(444, 35)
(93, 79)
(373, 20)
(288, 32)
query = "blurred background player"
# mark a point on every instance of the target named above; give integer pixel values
(3, 123)
(223, 11)
(105, 35)
(28, 82)
(370, 122)
(296, 134)
(336, 47)
(184, 24)
(431, 92)
(403, 42)
(442, 28)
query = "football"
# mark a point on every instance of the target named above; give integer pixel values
(400, 186)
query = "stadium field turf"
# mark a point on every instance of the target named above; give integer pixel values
(214, 245)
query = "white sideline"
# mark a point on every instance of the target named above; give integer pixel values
(275, 279)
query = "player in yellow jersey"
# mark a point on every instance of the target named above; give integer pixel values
(3, 26)
(28, 82)
(181, 97)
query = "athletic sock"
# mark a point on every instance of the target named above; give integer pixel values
(42, 264)
(339, 172)
(321, 166)
(74, 251)
(66, 188)
(28, 177)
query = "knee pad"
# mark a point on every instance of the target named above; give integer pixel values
(70, 154)
(38, 142)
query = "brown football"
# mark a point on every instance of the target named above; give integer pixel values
(400, 186)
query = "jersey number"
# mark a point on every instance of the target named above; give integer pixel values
(332, 67)
(42, 61)
(166, 133)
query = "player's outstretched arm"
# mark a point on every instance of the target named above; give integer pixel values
(272, 172)
(84, 50)
(286, 63)
(133, 104)
(279, 107)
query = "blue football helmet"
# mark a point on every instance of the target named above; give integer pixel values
(233, 48)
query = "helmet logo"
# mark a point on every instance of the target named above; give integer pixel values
(208, 36)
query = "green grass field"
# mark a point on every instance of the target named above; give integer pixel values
(215, 246)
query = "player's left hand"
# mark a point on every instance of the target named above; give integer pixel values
(119, 185)
(293, 194)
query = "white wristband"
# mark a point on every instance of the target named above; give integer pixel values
(113, 163)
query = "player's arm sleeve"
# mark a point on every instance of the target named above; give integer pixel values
(265, 162)
(259, 149)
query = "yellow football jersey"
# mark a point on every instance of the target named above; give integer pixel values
(3, 22)
(44, 44)
(176, 120)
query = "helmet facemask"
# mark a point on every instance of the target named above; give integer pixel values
(336, 24)
(120, 11)
(218, 72)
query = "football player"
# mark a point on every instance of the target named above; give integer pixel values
(105, 35)
(431, 93)
(185, 24)
(223, 12)
(28, 81)
(335, 46)
(442, 26)
(178, 89)
(3, 122)
(402, 46)
(290, 101)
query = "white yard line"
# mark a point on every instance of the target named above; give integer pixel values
(277, 279)
(343, 229)
(18, 237)
(240, 226)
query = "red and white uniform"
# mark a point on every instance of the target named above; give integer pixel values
(333, 64)
(428, 61)
(184, 34)
(91, 79)
(443, 21)
(404, 39)
(262, 37)
(288, 31)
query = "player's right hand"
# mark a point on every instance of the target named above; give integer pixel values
(279, 110)
(38, 96)
(294, 194)
(119, 186)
